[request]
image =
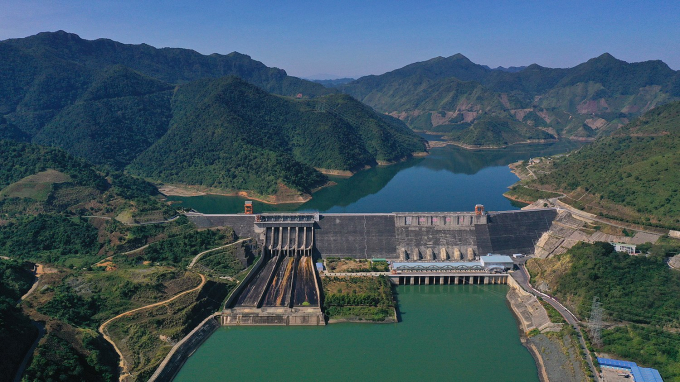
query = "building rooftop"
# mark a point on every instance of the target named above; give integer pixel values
(640, 374)
(496, 259)
(437, 266)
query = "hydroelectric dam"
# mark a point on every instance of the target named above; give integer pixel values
(283, 288)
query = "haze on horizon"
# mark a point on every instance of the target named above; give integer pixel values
(317, 39)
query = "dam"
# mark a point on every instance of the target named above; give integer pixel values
(283, 288)
(440, 236)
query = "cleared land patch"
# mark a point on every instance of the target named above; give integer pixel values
(335, 265)
(37, 186)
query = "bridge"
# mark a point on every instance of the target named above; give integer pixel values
(283, 287)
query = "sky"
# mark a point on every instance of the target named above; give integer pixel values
(330, 39)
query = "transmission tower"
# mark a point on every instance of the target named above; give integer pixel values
(595, 322)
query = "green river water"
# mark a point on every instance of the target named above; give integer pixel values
(446, 333)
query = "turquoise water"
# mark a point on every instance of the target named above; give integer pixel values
(449, 179)
(447, 333)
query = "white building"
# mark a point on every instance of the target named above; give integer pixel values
(623, 247)
(496, 261)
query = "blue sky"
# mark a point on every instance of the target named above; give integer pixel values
(354, 38)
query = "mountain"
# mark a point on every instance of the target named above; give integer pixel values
(228, 134)
(333, 83)
(72, 220)
(41, 75)
(116, 118)
(452, 94)
(511, 69)
(138, 107)
(631, 175)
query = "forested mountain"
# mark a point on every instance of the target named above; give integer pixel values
(228, 134)
(109, 103)
(453, 94)
(42, 75)
(67, 216)
(631, 175)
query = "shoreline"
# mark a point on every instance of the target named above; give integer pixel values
(523, 328)
(188, 190)
(524, 340)
(514, 199)
(191, 191)
(493, 147)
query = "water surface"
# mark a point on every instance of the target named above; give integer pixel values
(449, 179)
(447, 333)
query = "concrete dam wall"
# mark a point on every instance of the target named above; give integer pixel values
(405, 236)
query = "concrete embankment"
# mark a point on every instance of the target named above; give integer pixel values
(173, 362)
(528, 310)
(554, 352)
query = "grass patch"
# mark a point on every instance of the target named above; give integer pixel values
(336, 265)
(147, 336)
(528, 195)
(358, 298)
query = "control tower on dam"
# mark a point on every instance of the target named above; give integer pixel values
(421, 236)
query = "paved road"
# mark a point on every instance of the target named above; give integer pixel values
(522, 277)
(197, 257)
(124, 372)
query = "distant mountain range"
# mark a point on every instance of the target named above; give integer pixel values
(479, 106)
(334, 82)
(175, 115)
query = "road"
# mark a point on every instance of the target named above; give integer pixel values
(38, 325)
(197, 257)
(124, 373)
(522, 277)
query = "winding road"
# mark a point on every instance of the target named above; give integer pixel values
(522, 277)
(198, 257)
(102, 328)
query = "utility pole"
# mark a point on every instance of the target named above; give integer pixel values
(595, 322)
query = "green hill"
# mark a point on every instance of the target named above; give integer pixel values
(449, 95)
(638, 296)
(55, 79)
(118, 116)
(228, 134)
(631, 175)
(173, 116)
(497, 131)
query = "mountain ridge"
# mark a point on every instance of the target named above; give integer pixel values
(110, 103)
(589, 100)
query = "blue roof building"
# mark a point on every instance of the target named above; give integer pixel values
(640, 374)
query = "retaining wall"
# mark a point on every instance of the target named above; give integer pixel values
(179, 353)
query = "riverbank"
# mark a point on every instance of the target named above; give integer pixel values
(491, 147)
(550, 343)
(476, 322)
(285, 195)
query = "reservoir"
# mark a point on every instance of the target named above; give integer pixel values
(449, 179)
(446, 333)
